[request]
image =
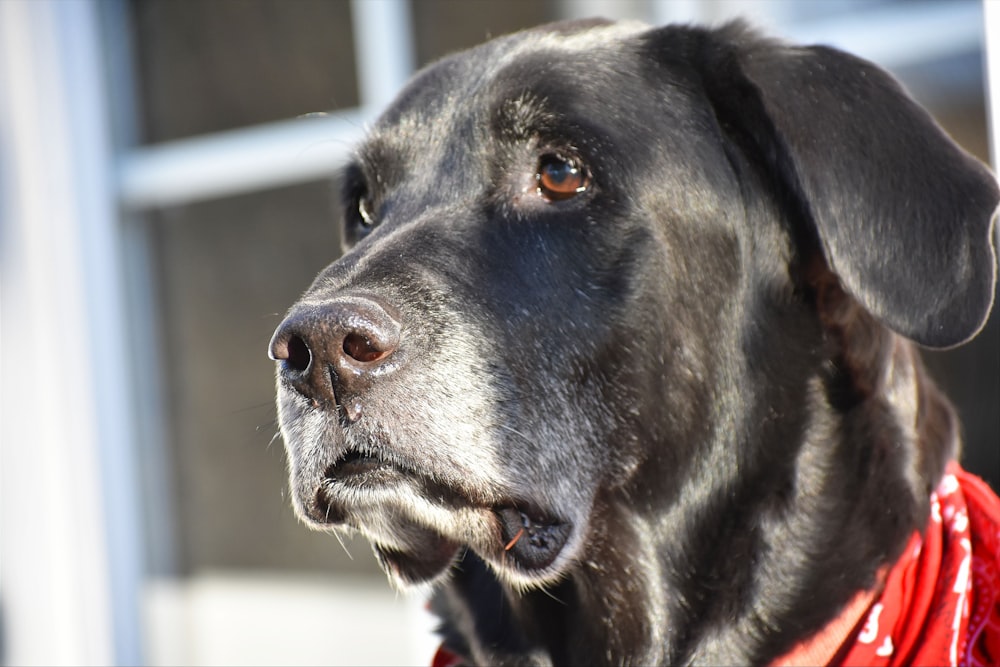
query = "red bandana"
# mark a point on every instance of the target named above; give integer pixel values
(940, 604)
(445, 658)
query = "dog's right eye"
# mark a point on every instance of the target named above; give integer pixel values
(360, 208)
(364, 210)
(359, 216)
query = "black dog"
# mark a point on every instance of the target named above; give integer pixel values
(618, 354)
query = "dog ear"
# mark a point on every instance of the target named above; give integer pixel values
(903, 215)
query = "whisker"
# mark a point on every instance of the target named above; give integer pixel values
(277, 434)
(268, 424)
(551, 595)
(257, 406)
(343, 546)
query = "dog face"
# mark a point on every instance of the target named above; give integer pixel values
(581, 290)
(507, 244)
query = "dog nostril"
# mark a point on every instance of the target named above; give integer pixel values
(299, 354)
(332, 351)
(360, 348)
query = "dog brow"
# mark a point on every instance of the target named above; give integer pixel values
(523, 116)
(380, 160)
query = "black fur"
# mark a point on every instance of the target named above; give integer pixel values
(688, 383)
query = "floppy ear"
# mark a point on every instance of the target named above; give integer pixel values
(903, 215)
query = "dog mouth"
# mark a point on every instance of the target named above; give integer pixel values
(361, 489)
(531, 538)
(359, 469)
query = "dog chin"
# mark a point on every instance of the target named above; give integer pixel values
(416, 539)
(421, 566)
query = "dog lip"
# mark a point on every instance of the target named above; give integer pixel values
(358, 468)
(353, 463)
(532, 538)
(354, 470)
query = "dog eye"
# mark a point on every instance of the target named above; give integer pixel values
(560, 179)
(359, 216)
(365, 215)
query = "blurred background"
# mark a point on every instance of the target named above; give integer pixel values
(163, 199)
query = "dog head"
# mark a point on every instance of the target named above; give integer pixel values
(586, 264)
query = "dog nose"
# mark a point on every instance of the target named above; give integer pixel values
(335, 349)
